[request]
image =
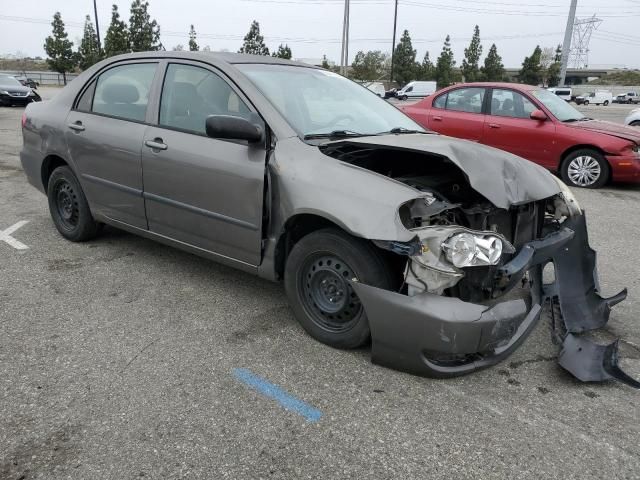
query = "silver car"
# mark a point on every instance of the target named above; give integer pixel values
(633, 118)
(430, 247)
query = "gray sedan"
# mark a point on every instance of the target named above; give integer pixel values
(431, 248)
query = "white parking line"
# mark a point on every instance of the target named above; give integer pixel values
(5, 235)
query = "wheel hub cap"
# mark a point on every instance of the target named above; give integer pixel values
(327, 293)
(584, 170)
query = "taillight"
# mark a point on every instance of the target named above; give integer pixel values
(24, 119)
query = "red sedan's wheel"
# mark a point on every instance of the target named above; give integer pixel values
(585, 168)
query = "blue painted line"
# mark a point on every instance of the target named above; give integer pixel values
(289, 402)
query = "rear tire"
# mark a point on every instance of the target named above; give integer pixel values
(316, 281)
(69, 208)
(585, 168)
(606, 103)
(635, 124)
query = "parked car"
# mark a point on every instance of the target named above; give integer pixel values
(633, 118)
(377, 88)
(600, 97)
(379, 229)
(12, 92)
(631, 97)
(564, 93)
(28, 82)
(416, 89)
(535, 124)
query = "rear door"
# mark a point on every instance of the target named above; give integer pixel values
(203, 191)
(508, 126)
(458, 113)
(104, 136)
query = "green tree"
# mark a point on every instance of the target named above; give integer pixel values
(283, 52)
(325, 63)
(531, 71)
(445, 64)
(254, 42)
(470, 64)
(493, 70)
(193, 45)
(144, 33)
(88, 53)
(427, 70)
(116, 41)
(369, 65)
(59, 48)
(404, 60)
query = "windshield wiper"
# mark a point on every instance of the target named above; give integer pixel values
(581, 119)
(333, 134)
(400, 130)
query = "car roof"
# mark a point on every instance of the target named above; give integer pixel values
(223, 57)
(514, 86)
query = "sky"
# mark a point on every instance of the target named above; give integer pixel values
(313, 28)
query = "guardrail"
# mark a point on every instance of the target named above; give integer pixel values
(43, 77)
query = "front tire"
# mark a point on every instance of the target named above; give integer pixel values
(585, 168)
(586, 102)
(69, 208)
(635, 124)
(316, 281)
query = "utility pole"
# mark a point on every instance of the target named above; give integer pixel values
(566, 44)
(393, 45)
(344, 56)
(95, 15)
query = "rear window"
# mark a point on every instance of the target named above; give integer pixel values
(123, 91)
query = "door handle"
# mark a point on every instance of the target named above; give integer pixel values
(77, 126)
(156, 144)
(437, 119)
(494, 125)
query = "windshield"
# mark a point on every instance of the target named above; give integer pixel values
(557, 106)
(7, 80)
(316, 102)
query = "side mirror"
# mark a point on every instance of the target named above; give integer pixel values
(233, 128)
(538, 115)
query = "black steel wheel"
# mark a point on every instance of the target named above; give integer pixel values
(69, 208)
(317, 275)
(327, 294)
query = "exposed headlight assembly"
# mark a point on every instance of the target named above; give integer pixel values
(565, 203)
(472, 250)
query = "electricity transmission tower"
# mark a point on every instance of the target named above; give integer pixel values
(582, 30)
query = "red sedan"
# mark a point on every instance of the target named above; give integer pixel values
(535, 124)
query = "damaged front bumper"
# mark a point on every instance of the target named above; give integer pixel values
(438, 336)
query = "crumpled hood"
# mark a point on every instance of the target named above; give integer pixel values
(504, 179)
(609, 128)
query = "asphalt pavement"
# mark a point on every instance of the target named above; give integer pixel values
(122, 358)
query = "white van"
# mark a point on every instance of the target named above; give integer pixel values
(562, 92)
(417, 89)
(599, 97)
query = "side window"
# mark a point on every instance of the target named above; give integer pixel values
(507, 103)
(190, 94)
(466, 100)
(440, 102)
(123, 91)
(85, 101)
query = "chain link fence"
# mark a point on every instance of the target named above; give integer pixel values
(42, 77)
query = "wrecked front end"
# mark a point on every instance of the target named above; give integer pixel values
(476, 279)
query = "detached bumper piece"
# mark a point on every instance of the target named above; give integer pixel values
(581, 308)
(442, 337)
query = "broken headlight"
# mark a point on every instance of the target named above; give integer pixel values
(565, 203)
(472, 250)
